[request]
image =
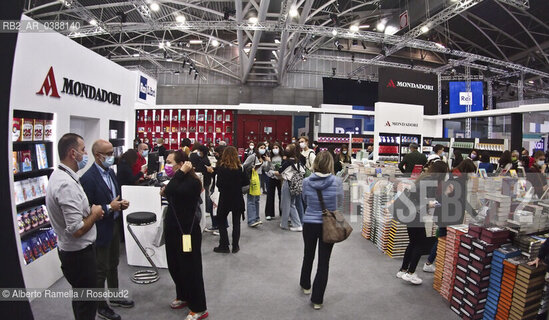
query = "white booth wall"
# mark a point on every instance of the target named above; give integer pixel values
(35, 54)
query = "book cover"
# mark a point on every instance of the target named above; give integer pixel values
(210, 117)
(228, 129)
(26, 161)
(18, 192)
(15, 162)
(192, 117)
(16, 129)
(210, 129)
(43, 184)
(183, 129)
(218, 130)
(227, 117)
(192, 129)
(174, 129)
(201, 117)
(157, 129)
(38, 132)
(26, 189)
(41, 156)
(201, 129)
(219, 117)
(27, 130)
(183, 117)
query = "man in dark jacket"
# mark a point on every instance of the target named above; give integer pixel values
(411, 159)
(101, 188)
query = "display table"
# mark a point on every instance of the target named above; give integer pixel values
(147, 199)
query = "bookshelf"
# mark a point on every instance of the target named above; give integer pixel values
(32, 164)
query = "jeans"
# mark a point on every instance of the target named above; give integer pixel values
(272, 186)
(79, 268)
(288, 205)
(300, 207)
(186, 267)
(413, 251)
(107, 259)
(264, 181)
(312, 233)
(252, 208)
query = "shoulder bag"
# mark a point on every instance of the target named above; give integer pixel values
(334, 226)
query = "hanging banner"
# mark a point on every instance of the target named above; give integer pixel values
(410, 87)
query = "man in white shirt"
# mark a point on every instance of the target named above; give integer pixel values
(73, 220)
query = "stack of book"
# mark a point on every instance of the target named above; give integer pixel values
(384, 224)
(472, 277)
(383, 194)
(367, 208)
(495, 235)
(496, 273)
(507, 285)
(530, 245)
(398, 239)
(527, 293)
(450, 259)
(439, 263)
(500, 208)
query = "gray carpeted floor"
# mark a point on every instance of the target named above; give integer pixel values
(262, 282)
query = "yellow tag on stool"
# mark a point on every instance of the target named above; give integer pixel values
(187, 247)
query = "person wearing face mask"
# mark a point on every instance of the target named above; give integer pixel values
(536, 173)
(485, 162)
(249, 151)
(102, 188)
(515, 159)
(253, 166)
(160, 148)
(264, 178)
(73, 220)
(505, 163)
(142, 154)
(344, 156)
(294, 140)
(183, 218)
(273, 182)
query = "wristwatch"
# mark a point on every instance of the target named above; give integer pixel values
(109, 208)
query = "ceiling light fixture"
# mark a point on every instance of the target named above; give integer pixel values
(195, 41)
(161, 45)
(180, 18)
(390, 30)
(168, 44)
(136, 54)
(169, 59)
(293, 12)
(215, 43)
(440, 45)
(334, 32)
(93, 22)
(425, 29)
(155, 6)
(380, 26)
(364, 26)
(253, 20)
(277, 41)
(354, 28)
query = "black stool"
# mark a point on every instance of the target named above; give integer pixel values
(142, 219)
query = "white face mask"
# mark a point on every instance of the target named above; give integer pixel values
(303, 145)
(251, 146)
(541, 163)
(159, 145)
(275, 152)
(344, 151)
(262, 151)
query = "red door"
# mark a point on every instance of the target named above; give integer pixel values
(268, 130)
(251, 131)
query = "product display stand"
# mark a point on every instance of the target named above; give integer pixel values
(32, 135)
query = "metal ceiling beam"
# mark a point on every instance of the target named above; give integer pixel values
(263, 7)
(486, 36)
(521, 4)
(525, 30)
(283, 61)
(499, 30)
(369, 36)
(283, 39)
(240, 38)
(435, 20)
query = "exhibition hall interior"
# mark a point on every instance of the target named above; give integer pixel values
(275, 159)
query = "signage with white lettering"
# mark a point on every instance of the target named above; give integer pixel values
(410, 87)
(146, 89)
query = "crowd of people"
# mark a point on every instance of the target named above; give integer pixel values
(86, 211)
(438, 169)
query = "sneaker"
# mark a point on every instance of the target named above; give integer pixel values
(178, 304)
(296, 229)
(255, 224)
(429, 267)
(197, 316)
(210, 229)
(108, 314)
(216, 233)
(412, 278)
(268, 218)
(222, 250)
(400, 274)
(307, 291)
(124, 303)
(317, 306)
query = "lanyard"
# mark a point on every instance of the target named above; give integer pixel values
(177, 219)
(67, 172)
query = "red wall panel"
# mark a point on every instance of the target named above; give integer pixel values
(252, 127)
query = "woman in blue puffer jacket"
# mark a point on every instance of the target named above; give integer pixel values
(330, 186)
